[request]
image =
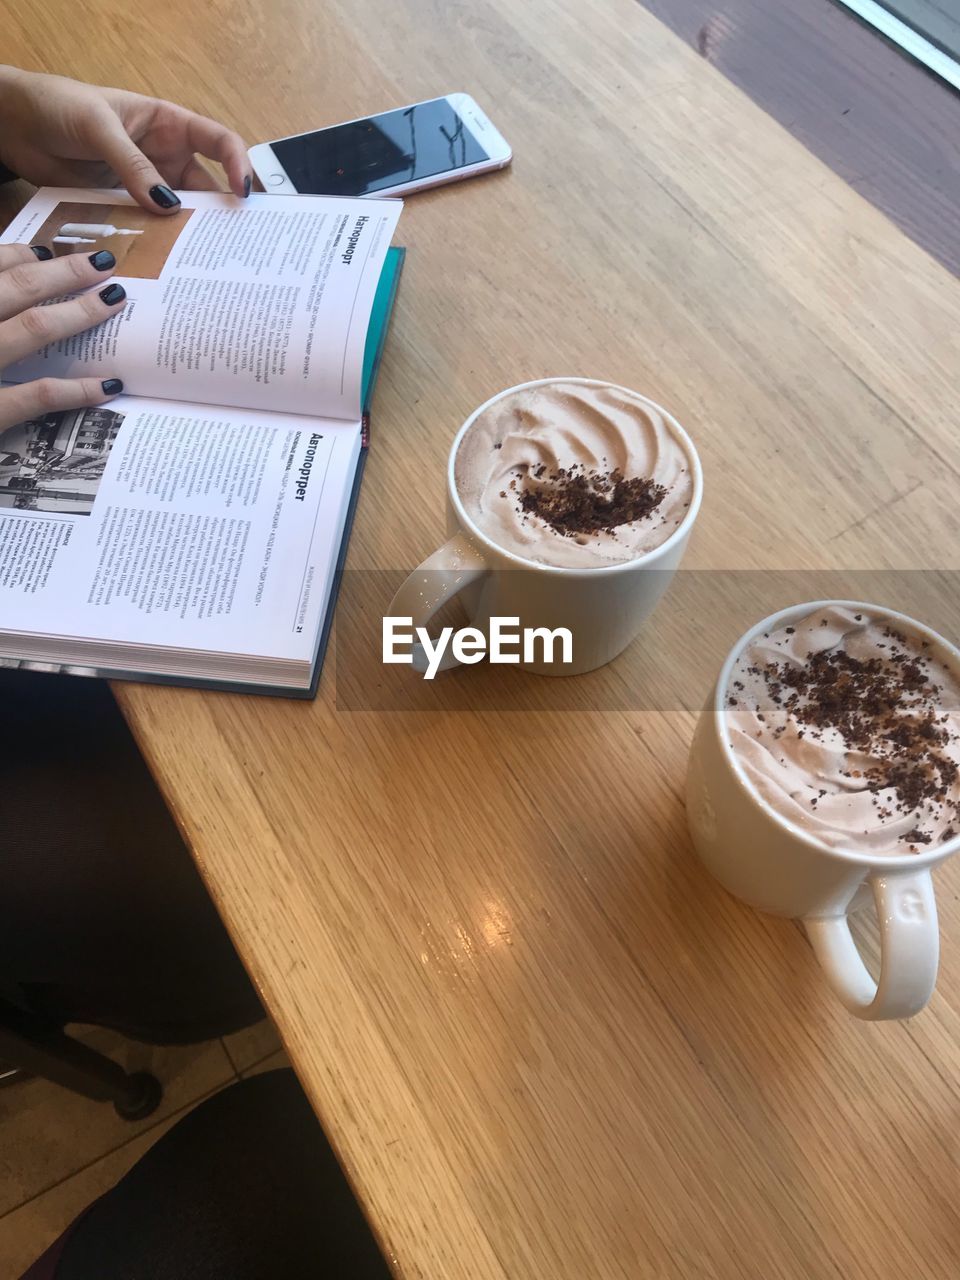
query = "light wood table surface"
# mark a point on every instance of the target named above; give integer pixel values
(543, 1043)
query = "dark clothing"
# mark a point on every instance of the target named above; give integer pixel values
(103, 916)
(246, 1187)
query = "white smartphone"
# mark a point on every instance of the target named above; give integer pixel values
(410, 149)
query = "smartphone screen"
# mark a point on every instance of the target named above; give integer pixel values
(367, 155)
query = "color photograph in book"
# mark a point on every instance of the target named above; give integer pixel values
(141, 242)
(262, 303)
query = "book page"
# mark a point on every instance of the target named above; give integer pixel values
(157, 523)
(261, 303)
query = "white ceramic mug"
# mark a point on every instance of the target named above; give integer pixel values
(603, 608)
(769, 862)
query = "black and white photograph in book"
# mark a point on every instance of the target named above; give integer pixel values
(56, 462)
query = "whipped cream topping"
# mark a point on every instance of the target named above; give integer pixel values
(538, 438)
(850, 728)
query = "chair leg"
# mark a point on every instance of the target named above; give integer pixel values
(36, 1045)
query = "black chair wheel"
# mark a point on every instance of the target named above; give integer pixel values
(142, 1097)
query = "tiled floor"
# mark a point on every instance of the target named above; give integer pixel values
(58, 1151)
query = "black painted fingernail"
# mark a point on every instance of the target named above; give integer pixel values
(113, 294)
(42, 252)
(103, 260)
(247, 184)
(164, 197)
(112, 387)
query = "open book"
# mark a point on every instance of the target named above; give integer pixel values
(193, 529)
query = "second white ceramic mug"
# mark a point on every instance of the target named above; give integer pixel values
(603, 608)
(774, 865)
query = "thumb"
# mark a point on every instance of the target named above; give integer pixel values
(136, 172)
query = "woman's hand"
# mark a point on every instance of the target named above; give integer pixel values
(63, 133)
(25, 326)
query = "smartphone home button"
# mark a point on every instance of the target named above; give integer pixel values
(276, 179)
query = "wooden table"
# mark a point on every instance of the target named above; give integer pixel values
(544, 1044)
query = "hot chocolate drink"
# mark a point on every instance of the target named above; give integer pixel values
(574, 475)
(850, 729)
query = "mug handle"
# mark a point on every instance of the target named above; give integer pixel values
(451, 568)
(909, 949)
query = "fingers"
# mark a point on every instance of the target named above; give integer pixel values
(217, 142)
(183, 133)
(109, 140)
(180, 133)
(48, 395)
(196, 178)
(12, 255)
(28, 282)
(38, 326)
